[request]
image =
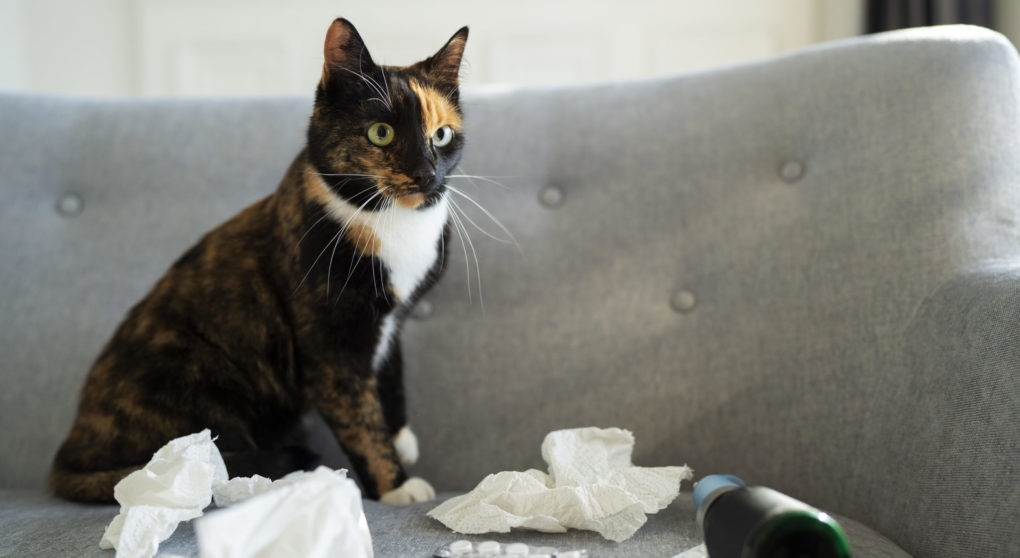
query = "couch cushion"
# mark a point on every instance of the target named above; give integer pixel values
(36, 525)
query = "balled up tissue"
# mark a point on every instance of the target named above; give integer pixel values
(312, 515)
(697, 552)
(591, 485)
(175, 486)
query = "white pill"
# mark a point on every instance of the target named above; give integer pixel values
(516, 550)
(488, 547)
(460, 547)
(540, 556)
(569, 554)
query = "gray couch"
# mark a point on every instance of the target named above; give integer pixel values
(804, 271)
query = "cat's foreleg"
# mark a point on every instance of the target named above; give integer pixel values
(354, 412)
(391, 393)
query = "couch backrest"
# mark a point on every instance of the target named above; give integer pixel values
(726, 263)
(97, 198)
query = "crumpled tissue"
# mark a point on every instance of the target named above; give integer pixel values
(697, 552)
(591, 485)
(312, 515)
(175, 486)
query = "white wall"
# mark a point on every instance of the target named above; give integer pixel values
(258, 47)
(11, 57)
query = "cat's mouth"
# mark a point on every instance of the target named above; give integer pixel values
(416, 198)
(410, 201)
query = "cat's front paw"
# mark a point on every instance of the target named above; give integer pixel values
(413, 490)
(406, 444)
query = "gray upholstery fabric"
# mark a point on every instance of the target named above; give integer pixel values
(152, 177)
(963, 351)
(36, 525)
(666, 534)
(772, 270)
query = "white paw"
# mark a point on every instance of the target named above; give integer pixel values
(413, 490)
(406, 444)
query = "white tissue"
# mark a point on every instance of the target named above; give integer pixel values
(312, 515)
(697, 552)
(239, 489)
(592, 485)
(303, 514)
(175, 486)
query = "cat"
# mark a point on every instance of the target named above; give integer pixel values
(294, 304)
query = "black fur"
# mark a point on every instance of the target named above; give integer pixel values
(252, 327)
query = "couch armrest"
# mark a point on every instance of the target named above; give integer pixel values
(955, 422)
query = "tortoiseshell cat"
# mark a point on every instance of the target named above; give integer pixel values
(295, 303)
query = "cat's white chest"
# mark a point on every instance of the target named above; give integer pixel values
(406, 240)
(408, 243)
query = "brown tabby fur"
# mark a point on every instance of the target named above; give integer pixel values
(240, 335)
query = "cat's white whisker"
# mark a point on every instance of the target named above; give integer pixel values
(311, 267)
(370, 81)
(339, 233)
(463, 245)
(359, 192)
(478, 269)
(298, 243)
(442, 249)
(372, 262)
(343, 229)
(379, 290)
(353, 217)
(386, 82)
(350, 273)
(474, 253)
(476, 226)
(473, 177)
(329, 270)
(358, 253)
(351, 175)
(512, 239)
(387, 225)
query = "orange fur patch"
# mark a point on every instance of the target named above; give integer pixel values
(436, 110)
(315, 188)
(410, 201)
(363, 238)
(361, 235)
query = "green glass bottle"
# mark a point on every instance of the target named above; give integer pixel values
(738, 521)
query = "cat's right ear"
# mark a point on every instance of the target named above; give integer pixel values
(344, 50)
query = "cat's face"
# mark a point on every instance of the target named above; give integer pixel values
(383, 135)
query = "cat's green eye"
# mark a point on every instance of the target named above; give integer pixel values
(442, 137)
(381, 134)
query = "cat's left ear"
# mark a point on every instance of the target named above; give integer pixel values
(445, 64)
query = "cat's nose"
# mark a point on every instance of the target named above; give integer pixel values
(425, 177)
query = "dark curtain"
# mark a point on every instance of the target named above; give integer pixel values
(886, 15)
